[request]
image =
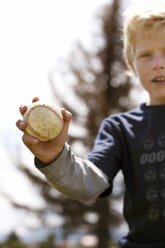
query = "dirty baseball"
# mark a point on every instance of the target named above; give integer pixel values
(43, 121)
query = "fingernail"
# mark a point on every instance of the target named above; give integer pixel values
(22, 124)
(35, 141)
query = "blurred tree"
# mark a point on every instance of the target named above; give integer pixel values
(95, 85)
(101, 87)
(12, 242)
(48, 243)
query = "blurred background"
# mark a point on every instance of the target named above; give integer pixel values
(68, 52)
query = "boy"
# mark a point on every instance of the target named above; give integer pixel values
(133, 142)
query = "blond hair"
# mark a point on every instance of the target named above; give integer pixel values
(148, 18)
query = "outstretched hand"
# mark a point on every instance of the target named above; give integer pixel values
(46, 151)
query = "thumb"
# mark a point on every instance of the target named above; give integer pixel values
(67, 116)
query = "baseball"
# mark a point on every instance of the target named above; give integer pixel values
(43, 121)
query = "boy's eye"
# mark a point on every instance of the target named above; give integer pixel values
(145, 55)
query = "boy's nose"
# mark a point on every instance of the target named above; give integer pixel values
(158, 63)
(158, 67)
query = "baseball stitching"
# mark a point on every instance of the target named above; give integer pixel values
(28, 116)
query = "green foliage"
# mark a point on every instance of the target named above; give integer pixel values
(48, 243)
(12, 242)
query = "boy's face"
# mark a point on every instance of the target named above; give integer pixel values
(149, 63)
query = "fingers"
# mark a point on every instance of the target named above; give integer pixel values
(29, 140)
(67, 116)
(23, 108)
(21, 125)
(35, 99)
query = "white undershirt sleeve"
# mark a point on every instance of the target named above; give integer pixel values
(75, 177)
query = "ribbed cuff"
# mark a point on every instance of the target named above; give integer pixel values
(40, 164)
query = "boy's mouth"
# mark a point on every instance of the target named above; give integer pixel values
(159, 79)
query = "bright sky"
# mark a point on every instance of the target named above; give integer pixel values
(34, 35)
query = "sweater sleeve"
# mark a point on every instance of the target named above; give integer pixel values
(107, 152)
(75, 177)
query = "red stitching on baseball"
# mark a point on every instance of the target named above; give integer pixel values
(28, 116)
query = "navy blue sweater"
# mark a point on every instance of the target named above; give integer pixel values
(134, 142)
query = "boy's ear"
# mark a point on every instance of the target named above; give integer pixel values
(134, 69)
(134, 72)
